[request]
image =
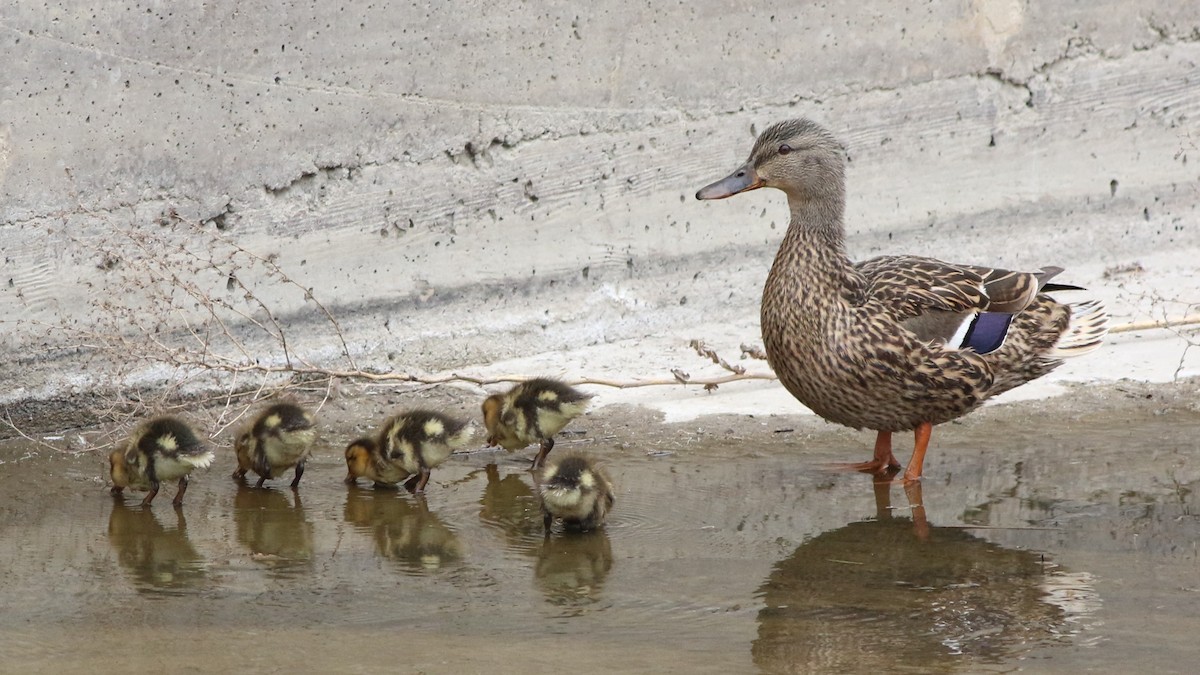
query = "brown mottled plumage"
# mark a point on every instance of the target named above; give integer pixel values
(885, 344)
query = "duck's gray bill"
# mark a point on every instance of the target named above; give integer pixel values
(745, 178)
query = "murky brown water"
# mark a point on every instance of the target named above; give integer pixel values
(1048, 540)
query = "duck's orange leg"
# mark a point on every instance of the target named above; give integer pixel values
(920, 444)
(883, 459)
(912, 491)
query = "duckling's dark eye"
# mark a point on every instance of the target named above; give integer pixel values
(785, 149)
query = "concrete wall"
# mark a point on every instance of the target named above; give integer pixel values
(470, 181)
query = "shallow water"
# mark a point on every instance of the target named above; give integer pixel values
(1039, 541)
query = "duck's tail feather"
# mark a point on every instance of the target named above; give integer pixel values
(200, 460)
(1085, 333)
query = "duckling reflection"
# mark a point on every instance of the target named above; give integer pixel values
(510, 505)
(571, 569)
(896, 594)
(274, 528)
(160, 559)
(404, 529)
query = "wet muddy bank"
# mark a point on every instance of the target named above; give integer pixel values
(1053, 536)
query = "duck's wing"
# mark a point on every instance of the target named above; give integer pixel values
(906, 287)
(962, 305)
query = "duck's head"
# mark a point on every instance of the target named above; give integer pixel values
(358, 458)
(118, 469)
(492, 407)
(796, 156)
(244, 444)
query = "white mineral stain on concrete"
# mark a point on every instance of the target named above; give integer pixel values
(534, 195)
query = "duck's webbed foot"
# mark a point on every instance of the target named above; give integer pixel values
(882, 462)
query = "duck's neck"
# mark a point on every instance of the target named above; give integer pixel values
(813, 253)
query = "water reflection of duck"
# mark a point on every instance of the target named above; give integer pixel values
(404, 529)
(274, 528)
(158, 558)
(895, 594)
(510, 505)
(571, 570)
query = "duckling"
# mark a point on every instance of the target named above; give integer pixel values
(162, 449)
(364, 459)
(576, 490)
(408, 446)
(533, 410)
(279, 438)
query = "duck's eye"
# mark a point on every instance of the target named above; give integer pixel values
(785, 149)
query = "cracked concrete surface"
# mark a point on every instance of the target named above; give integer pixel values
(480, 183)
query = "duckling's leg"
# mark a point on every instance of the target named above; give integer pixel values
(262, 468)
(351, 479)
(183, 483)
(299, 473)
(417, 483)
(150, 495)
(117, 491)
(883, 460)
(547, 521)
(921, 442)
(239, 473)
(547, 445)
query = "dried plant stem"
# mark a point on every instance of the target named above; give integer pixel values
(478, 379)
(1190, 320)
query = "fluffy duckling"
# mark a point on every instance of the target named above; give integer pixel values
(279, 438)
(408, 446)
(364, 459)
(576, 490)
(533, 410)
(162, 449)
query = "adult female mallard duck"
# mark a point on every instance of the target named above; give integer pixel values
(281, 437)
(162, 449)
(408, 446)
(533, 410)
(897, 342)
